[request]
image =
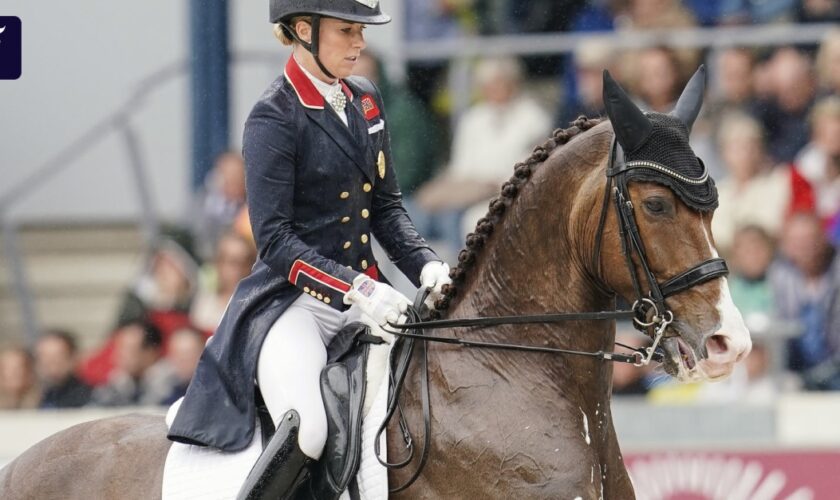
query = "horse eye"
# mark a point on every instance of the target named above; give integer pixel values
(655, 206)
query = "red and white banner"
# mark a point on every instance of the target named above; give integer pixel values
(783, 475)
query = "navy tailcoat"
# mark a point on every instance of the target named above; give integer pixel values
(317, 189)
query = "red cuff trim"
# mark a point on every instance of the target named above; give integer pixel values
(373, 272)
(316, 274)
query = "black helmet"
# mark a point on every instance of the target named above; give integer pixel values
(357, 11)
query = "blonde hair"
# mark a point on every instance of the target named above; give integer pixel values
(826, 107)
(280, 33)
(829, 46)
(735, 125)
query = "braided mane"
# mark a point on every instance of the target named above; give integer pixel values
(485, 226)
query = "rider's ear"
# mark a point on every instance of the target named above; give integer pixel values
(631, 126)
(688, 105)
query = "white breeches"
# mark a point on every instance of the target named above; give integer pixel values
(290, 362)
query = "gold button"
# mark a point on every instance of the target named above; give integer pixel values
(320, 297)
(306, 289)
(345, 220)
(367, 187)
(327, 300)
(313, 293)
(365, 213)
(347, 245)
(364, 264)
(364, 238)
(344, 195)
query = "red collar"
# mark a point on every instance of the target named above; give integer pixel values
(305, 89)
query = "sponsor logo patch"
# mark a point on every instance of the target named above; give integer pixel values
(369, 107)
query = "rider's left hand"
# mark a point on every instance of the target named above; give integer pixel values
(434, 275)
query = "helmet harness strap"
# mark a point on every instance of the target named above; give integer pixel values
(311, 47)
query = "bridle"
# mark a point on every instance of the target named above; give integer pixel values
(650, 313)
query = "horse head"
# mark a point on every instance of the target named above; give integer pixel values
(669, 197)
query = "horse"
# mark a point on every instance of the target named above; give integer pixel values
(508, 424)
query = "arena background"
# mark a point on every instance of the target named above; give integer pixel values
(98, 154)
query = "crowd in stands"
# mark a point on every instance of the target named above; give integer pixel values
(769, 134)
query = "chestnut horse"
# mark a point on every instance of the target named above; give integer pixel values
(504, 424)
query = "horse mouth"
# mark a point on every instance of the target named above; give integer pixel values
(681, 360)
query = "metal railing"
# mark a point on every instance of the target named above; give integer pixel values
(457, 51)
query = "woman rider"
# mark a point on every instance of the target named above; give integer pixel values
(320, 181)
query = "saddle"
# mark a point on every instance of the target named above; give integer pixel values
(343, 388)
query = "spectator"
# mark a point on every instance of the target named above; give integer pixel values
(18, 389)
(585, 94)
(141, 376)
(414, 137)
(828, 63)
(56, 360)
(234, 258)
(806, 289)
(756, 11)
(644, 15)
(491, 137)
(813, 161)
(753, 193)
(222, 198)
(818, 11)
(185, 348)
(752, 253)
(785, 114)
(627, 379)
(167, 285)
(655, 78)
(596, 15)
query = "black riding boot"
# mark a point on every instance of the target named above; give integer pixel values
(282, 469)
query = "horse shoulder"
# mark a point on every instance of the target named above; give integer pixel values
(118, 457)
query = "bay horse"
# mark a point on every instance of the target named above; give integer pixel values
(505, 424)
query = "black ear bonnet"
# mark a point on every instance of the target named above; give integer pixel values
(654, 146)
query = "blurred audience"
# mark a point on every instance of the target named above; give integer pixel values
(56, 359)
(491, 137)
(584, 90)
(654, 77)
(753, 251)
(828, 63)
(756, 11)
(753, 192)
(815, 160)
(18, 388)
(785, 113)
(220, 201)
(806, 290)
(235, 256)
(627, 379)
(185, 348)
(141, 375)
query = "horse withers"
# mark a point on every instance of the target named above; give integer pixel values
(510, 424)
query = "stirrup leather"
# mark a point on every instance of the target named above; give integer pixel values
(282, 468)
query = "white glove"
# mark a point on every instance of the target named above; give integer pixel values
(434, 275)
(379, 301)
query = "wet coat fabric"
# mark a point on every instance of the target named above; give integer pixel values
(317, 190)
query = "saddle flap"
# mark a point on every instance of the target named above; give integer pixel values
(343, 391)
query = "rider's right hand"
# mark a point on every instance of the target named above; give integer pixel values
(379, 301)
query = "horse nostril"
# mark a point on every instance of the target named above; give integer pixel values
(716, 346)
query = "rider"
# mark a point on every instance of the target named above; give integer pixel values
(319, 180)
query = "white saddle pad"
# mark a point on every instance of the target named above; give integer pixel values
(201, 473)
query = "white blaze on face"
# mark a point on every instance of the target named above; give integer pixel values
(731, 343)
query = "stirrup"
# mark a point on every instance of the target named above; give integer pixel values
(282, 467)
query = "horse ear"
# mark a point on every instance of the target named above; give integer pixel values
(688, 105)
(631, 126)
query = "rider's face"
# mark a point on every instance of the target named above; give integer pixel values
(340, 45)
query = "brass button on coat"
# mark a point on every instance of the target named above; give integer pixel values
(344, 195)
(327, 300)
(347, 245)
(320, 297)
(313, 293)
(306, 289)
(365, 213)
(364, 264)
(367, 187)
(345, 220)
(364, 238)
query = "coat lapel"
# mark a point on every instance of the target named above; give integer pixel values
(351, 143)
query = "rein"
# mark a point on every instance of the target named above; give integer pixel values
(649, 312)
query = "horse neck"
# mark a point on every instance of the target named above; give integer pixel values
(536, 262)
